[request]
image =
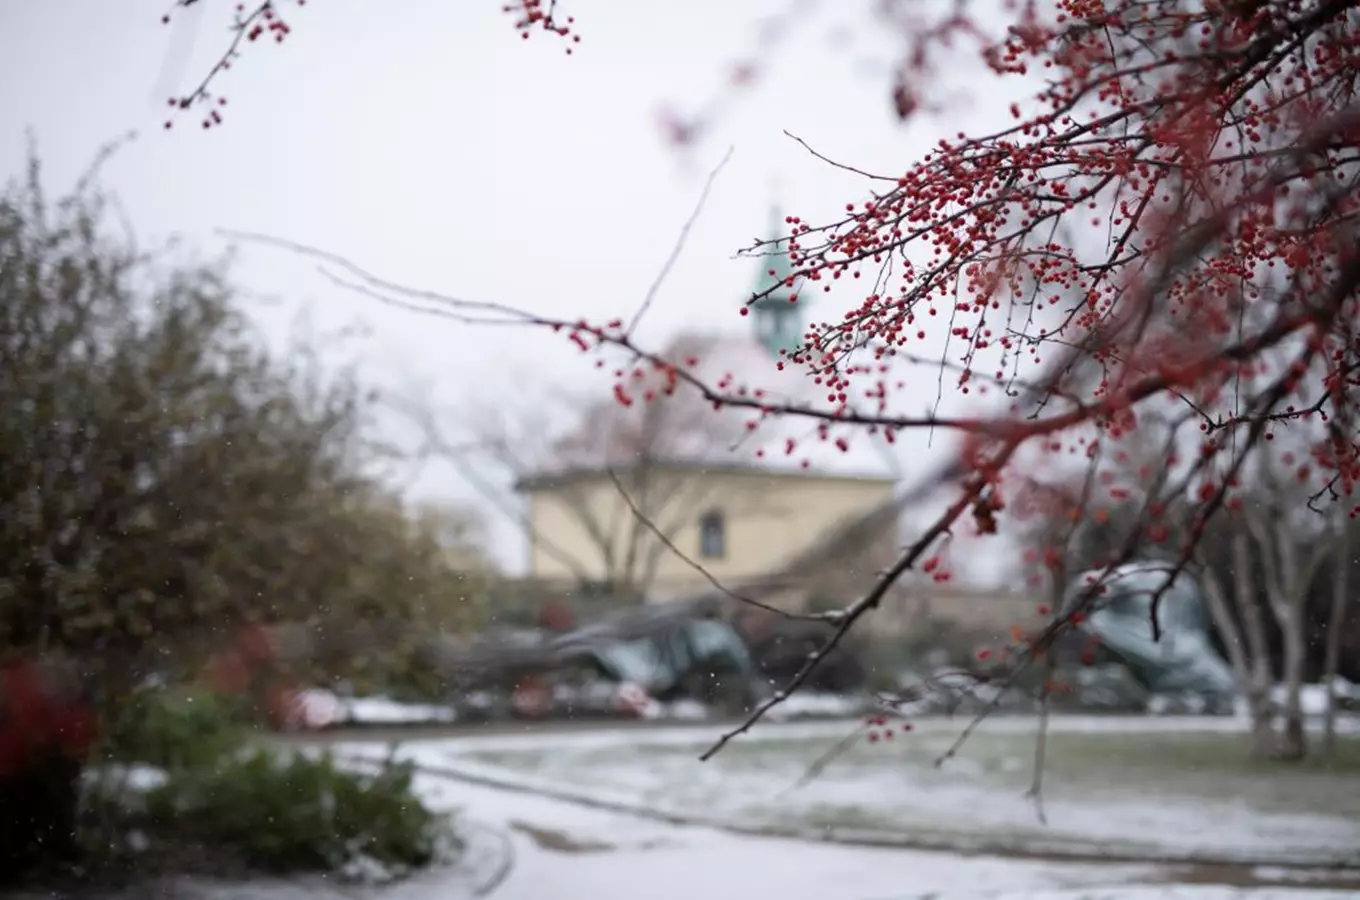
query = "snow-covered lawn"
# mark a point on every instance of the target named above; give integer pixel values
(382, 711)
(561, 851)
(532, 847)
(565, 852)
(317, 708)
(1132, 787)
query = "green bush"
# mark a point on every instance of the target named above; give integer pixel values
(173, 730)
(283, 813)
(261, 807)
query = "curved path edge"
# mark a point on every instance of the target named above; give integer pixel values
(958, 843)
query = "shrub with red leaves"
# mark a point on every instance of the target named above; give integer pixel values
(41, 712)
(46, 731)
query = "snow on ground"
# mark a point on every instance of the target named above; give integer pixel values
(381, 710)
(811, 705)
(318, 708)
(561, 851)
(1138, 892)
(976, 801)
(1313, 698)
(529, 847)
(135, 777)
(565, 852)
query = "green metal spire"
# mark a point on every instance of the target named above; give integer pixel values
(778, 264)
(778, 323)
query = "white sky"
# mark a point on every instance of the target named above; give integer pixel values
(429, 143)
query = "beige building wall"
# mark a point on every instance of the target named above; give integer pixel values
(768, 519)
(983, 610)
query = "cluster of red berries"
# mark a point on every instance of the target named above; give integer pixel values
(268, 22)
(936, 567)
(213, 117)
(263, 21)
(530, 16)
(880, 729)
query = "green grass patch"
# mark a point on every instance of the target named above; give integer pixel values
(1178, 764)
(1114, 787)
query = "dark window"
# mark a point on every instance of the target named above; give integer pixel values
(712, 535)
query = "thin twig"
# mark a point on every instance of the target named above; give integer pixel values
(1036, 787)
(679, 244)
(509, 313)
(849, 616)
(670, 545)
(839, 165)
(819, 765)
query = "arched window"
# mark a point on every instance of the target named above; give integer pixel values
(712, 535)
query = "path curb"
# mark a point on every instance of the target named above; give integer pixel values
(962, 845)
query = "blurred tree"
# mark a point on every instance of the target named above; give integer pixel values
(164, 481)
(416, 573)
(162, 477)
(1269, 572)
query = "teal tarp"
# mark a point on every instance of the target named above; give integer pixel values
(1183, 659)
(658, 662)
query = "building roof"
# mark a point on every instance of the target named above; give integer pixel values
(656, 419)
(549, 479)
(680, 428)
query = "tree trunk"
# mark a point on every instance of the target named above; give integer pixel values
(1221, 613)
(1264, 743)
(1336, 619)
(1294, 745)
(1260, 708)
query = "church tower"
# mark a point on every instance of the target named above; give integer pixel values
(778, 322)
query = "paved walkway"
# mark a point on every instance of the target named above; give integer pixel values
(532, 847)
(564, 852)
(384, 734)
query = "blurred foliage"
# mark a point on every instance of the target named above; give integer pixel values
(420, 562)
(165, 479)
(294, 812)
(260, 808)
(173, 730)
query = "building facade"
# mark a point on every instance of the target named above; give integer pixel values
(671, 498)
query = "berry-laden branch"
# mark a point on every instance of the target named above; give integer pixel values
(1168, 231)
(857, 610)
(1006, 435)
(247, 26)
(264, 21)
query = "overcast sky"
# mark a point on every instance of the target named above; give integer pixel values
(429, 143)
